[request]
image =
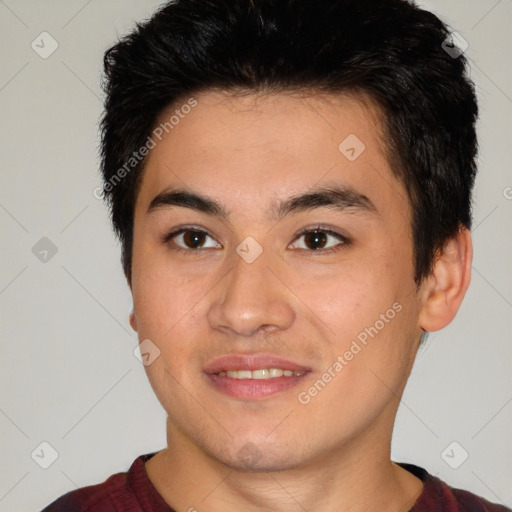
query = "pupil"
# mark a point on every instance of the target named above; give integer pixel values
(193, 238)
(318, 238)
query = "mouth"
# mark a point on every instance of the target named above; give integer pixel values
(255, 377)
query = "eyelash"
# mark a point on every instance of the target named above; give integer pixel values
(344, 241)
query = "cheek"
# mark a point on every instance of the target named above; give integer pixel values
(370, 312)
(169, 311)
(366, 368)
(348, 300)
(162, 298)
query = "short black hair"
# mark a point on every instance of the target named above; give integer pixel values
(389, 50)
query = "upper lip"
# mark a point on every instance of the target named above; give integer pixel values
(252, 362)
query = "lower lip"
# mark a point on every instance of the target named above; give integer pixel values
(253, 388)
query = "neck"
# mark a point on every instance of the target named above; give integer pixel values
(355, 477)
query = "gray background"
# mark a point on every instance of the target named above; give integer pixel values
(68, 373)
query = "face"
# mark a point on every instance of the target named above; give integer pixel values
(271, 238)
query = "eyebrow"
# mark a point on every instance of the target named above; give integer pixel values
(337, 197)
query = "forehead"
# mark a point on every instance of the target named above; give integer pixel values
(252, 147)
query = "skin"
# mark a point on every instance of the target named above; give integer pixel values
(293, 301)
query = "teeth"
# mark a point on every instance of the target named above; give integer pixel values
(262, 374)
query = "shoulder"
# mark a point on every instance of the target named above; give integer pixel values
(99, 497)
(115, 494)
(438, 496)
(469, 502)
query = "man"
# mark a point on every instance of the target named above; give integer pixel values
(291, 184)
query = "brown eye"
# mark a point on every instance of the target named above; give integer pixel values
(321, 240)
(194, 239)
(315, 239)
(191, 240)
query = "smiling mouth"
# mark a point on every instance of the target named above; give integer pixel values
(254, 376)
(256, 384)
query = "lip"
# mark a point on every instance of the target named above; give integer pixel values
(253, 389)
(252, 362)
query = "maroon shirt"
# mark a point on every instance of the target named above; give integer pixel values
(134, 492)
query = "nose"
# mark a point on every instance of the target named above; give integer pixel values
(251, 298)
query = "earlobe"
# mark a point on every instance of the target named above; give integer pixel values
(445, 287)
(133, 320)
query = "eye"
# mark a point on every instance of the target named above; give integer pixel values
(189, 240)
(321, 240)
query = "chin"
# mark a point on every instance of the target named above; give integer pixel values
(259, 456)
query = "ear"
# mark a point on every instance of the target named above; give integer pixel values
(443, 290)
(133, 320)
